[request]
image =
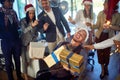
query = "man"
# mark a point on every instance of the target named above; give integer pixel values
(10, 42)
(57, 72)
(102, 34)
(104, 44)
(51, 22)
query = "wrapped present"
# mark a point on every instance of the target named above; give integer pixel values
(53, 58)
(117, 44)
(36, 50)
(74, 61)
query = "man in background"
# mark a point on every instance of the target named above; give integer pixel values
(52, 22)
(10, 41)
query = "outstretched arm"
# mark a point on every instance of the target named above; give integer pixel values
(104, 44)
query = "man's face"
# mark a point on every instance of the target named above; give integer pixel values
(105, 6)
(8, 4)
(79, 36)
(45, 4)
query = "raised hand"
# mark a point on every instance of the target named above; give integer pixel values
(45, 26)
(35, 23)
(88, 24)
(70, 19)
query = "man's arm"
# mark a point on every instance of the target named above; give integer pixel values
(104, 44)
(107, 43)
(65, 23)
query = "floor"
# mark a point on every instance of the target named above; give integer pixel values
(114, 70)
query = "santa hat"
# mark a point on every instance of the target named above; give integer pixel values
(85, 29)
(112, 4)
(29, 7)
(87, 2)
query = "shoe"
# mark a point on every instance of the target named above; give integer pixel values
(106, 72)
(102, 76)
(20, 78)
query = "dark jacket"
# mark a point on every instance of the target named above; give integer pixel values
(8, 27)
(61, 23)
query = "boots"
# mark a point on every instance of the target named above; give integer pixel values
(102, 75)
(106, 70)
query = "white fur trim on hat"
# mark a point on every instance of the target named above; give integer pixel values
(86, 30)
(87, 2)
(30, 8)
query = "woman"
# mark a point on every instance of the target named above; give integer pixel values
(29, 34)
(84, 16)
(103, 34)
(10, 41)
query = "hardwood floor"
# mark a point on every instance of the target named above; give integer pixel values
(114, 70)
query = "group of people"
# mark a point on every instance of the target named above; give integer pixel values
(52, 22)
(13, 44)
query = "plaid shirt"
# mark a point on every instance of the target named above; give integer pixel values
(10, 15)
(8, 24)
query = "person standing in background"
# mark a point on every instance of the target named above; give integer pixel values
(103, 34)
(84, 16)
(10, 41)
(29, 34)
(52, 23)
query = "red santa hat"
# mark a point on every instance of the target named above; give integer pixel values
(87, 2)
(29, 7)
(112, 4)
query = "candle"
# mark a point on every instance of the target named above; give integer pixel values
(108, 22)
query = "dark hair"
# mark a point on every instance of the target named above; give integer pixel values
(28, 19)
(116, 7)
(2, 1)
(90, 15)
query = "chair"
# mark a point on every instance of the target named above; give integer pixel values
(90, 59)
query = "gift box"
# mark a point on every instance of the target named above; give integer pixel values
(117, 44)
(36, 50)
(73, 61)
(53, 58)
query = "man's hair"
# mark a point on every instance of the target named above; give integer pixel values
(2, 1)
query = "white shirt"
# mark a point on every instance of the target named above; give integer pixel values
(107, 43)
(52, 17)
(81, 20)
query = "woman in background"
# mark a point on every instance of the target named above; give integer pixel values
(83, 16)
(29, 34)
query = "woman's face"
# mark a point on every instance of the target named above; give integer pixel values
(87, 6)
(31, 14)
(105, 6)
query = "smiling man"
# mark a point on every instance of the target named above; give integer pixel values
(57, 72)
